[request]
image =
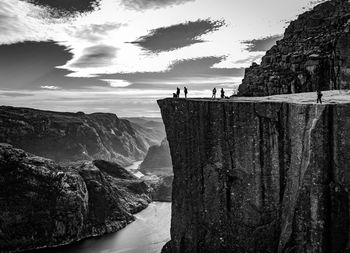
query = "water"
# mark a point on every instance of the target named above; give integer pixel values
(147, 234)
(133, 168)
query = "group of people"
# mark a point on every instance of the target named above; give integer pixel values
(222, 93)
(177, 94)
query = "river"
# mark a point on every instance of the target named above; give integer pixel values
(147, 234)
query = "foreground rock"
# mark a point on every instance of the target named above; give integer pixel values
(43, 204)
(66, 137)
(259, 174)
(314, 53)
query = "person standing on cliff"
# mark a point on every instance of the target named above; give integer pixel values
(214, 93)
(177, 92)
(185, 91)
(222, 93)
(319, 96)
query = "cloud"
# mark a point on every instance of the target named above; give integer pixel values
(178, 36)
(20, 21)
(67, 6)
(15, 94)
(262, 44)
(151, 4)
(250, 59)
(29, 65)
(50, 87)
(94, 32)
(198, 70)
(117, 83)
(95, 57)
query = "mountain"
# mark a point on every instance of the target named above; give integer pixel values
(157, 160)
(268, 174)
(158, 170)
(314, 54)
(43, 204)
(66, 137)
(152, 127)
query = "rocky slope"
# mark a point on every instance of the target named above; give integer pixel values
(158, 170)
(259, 174)
(157, 160)
(314, 54)
(43, 204)
(66, 137)
(153, 127)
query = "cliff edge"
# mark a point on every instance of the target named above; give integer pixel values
(260, 174)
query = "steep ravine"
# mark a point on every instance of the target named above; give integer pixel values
(259, 175)
(43, 204)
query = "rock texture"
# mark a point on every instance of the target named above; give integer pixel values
(314, 54)
(66, 137)
(259, 175)
(157, 160)
(43, 204)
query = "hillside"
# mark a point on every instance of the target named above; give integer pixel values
(66, 137)
(44, 204)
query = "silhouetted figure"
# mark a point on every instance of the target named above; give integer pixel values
(222, 93)
(319, 97)
(177, 92)
(185, 91)
(214, 93)
(174, 95)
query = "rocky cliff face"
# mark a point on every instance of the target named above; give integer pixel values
(66, 137)
(43, 204)
(314, 53)
(259, 175)
(157, 160)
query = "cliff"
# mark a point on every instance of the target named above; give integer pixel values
(158, 171)
(259, 174)
(43, 204)
(314, 54)
(157, 160)
(66, 137)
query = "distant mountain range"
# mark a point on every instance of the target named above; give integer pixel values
(66, 137)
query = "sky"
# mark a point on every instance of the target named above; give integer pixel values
(120, 56)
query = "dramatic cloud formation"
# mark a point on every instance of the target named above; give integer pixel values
(147, 4)
(263, 44)
(95, 57)
(177, 36)
(197, 71)
(68, 6)
(32, 66)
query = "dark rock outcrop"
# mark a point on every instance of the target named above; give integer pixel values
(314, 54)
(157, 160)
(259, 175)
(43, 204)
(66, 137)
